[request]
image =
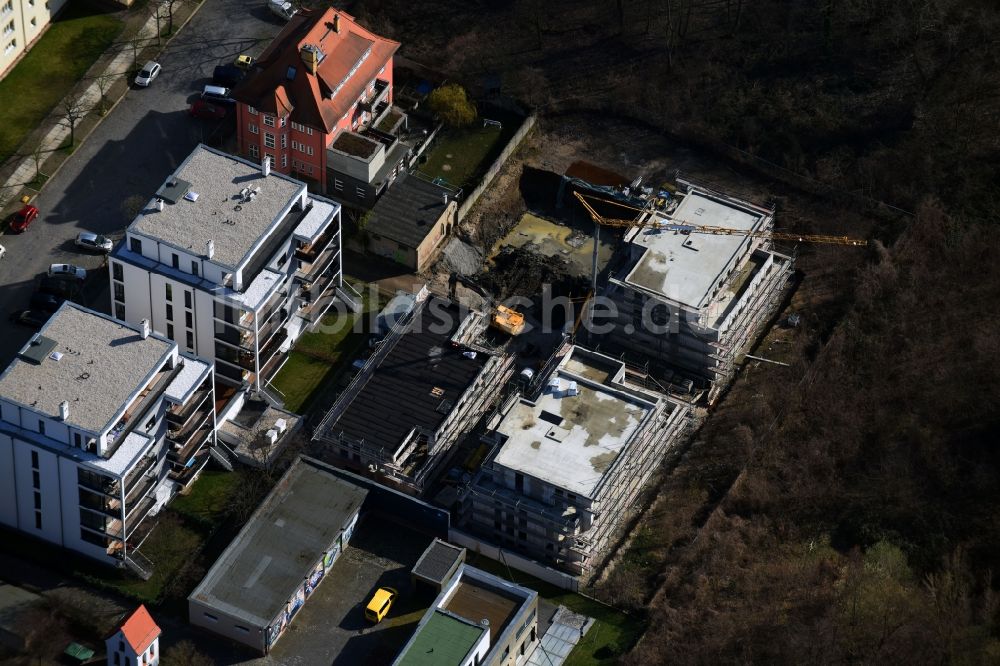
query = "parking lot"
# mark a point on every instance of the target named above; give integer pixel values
(129, 154)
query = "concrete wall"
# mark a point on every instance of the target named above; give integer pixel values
(515, 141)
(513, 560)
(228, 626)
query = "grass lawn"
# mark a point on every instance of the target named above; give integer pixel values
(208, 497)
(612, 634)
(320, 357)
(461, 156)
(53, 66)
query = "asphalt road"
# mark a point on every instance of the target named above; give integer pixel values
(129, 154)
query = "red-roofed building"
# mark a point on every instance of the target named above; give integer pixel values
(322, 76)
(137, 641)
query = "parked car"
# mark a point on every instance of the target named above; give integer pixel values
(217, 94)
(149, 72)
(380, 604)
(3, 251)
(29, 318)
(46, 302)
(227, 75)
(67, 270)
(244, 61)
(206, 110)
(57, 286)
(281, 8)
(94, 242)
(23, 218)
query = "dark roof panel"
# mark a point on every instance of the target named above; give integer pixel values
(406, 213)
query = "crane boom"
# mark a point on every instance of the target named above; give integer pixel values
(687, 228)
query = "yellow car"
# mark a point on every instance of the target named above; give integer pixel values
(380, 604)
(244, 62)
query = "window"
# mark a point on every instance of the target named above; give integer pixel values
(135, 245)
(309, 150)
(170, 331)
(284, 141)
(284, 160)
(360, 191)
(175, 261)
(118, 658)
(252, 111)
(190, 340)
(309, 131)
(36, 481)
(194, 271)
(77, 440)
(8, 6)
(283, 120)
(119, 292)
(119, 311)
(116, 271)
(298, 126)
(254, 129)
(296, 145)
(10, 47)
(338, 184)
(209, 616)
(8, 29)
(170, 312)
(34, 21)
(188, 320)
(34, 459)
(254, 152)
(242, 629)
(268, 140)
(41, 427)
(38, 520)
(151, 423)
(170, 292)
(269, 121)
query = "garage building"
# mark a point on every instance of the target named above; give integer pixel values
(267, 573)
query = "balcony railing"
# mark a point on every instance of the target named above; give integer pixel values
(181, 456)
(184, 475)
(178, 415)
(148, 461)
(381, 89)
(312, 270)
(309, 252)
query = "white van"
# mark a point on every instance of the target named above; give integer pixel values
(281, 8)
(217, 94)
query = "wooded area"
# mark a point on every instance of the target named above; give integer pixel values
(855, 516)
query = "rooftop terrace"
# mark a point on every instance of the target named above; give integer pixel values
(685, 268)
(95, 363)
(206, 204)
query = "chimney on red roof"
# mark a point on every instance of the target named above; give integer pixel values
(336, 22)
(310, 56)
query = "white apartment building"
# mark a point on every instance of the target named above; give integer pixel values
(695, 301)
(568, 459)
(21, 23)
(232, 261)
(99, 423)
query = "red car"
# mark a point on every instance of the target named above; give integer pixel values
(23, 218)
(206, 110)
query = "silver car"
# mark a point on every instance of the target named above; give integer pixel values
(67, 270)
(93, 242)
(149, 72)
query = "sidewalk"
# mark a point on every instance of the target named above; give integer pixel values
(117, 61)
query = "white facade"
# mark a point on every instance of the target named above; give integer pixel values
(239, 296)
(121, 653)
(85, 474)
(21, 23)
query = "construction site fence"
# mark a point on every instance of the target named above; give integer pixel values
(494, 169)
(512, 560)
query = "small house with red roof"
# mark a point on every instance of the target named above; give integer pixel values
(137, 641)
(316, 95)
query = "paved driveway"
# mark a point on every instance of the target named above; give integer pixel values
(139, 143)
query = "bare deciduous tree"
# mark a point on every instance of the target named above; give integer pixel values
(71, 111)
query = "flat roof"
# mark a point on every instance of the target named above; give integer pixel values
(417, 383)
(280, 544)
(570, 441)
(442, 640)
(438, 560)
(102, 364)
(476, 601)
(685, 267)
(219, 213)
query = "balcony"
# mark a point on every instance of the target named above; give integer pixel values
(272, 347)
(309, 253)
(236, 337)
(143, 401)
(178, 415)
(320, 263)
(185, 475)
(187, 441)
(377, 97)
(141, 468)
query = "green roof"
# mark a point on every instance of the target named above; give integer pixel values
(443, 640)
(78, 652)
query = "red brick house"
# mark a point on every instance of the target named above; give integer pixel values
(322, 75)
